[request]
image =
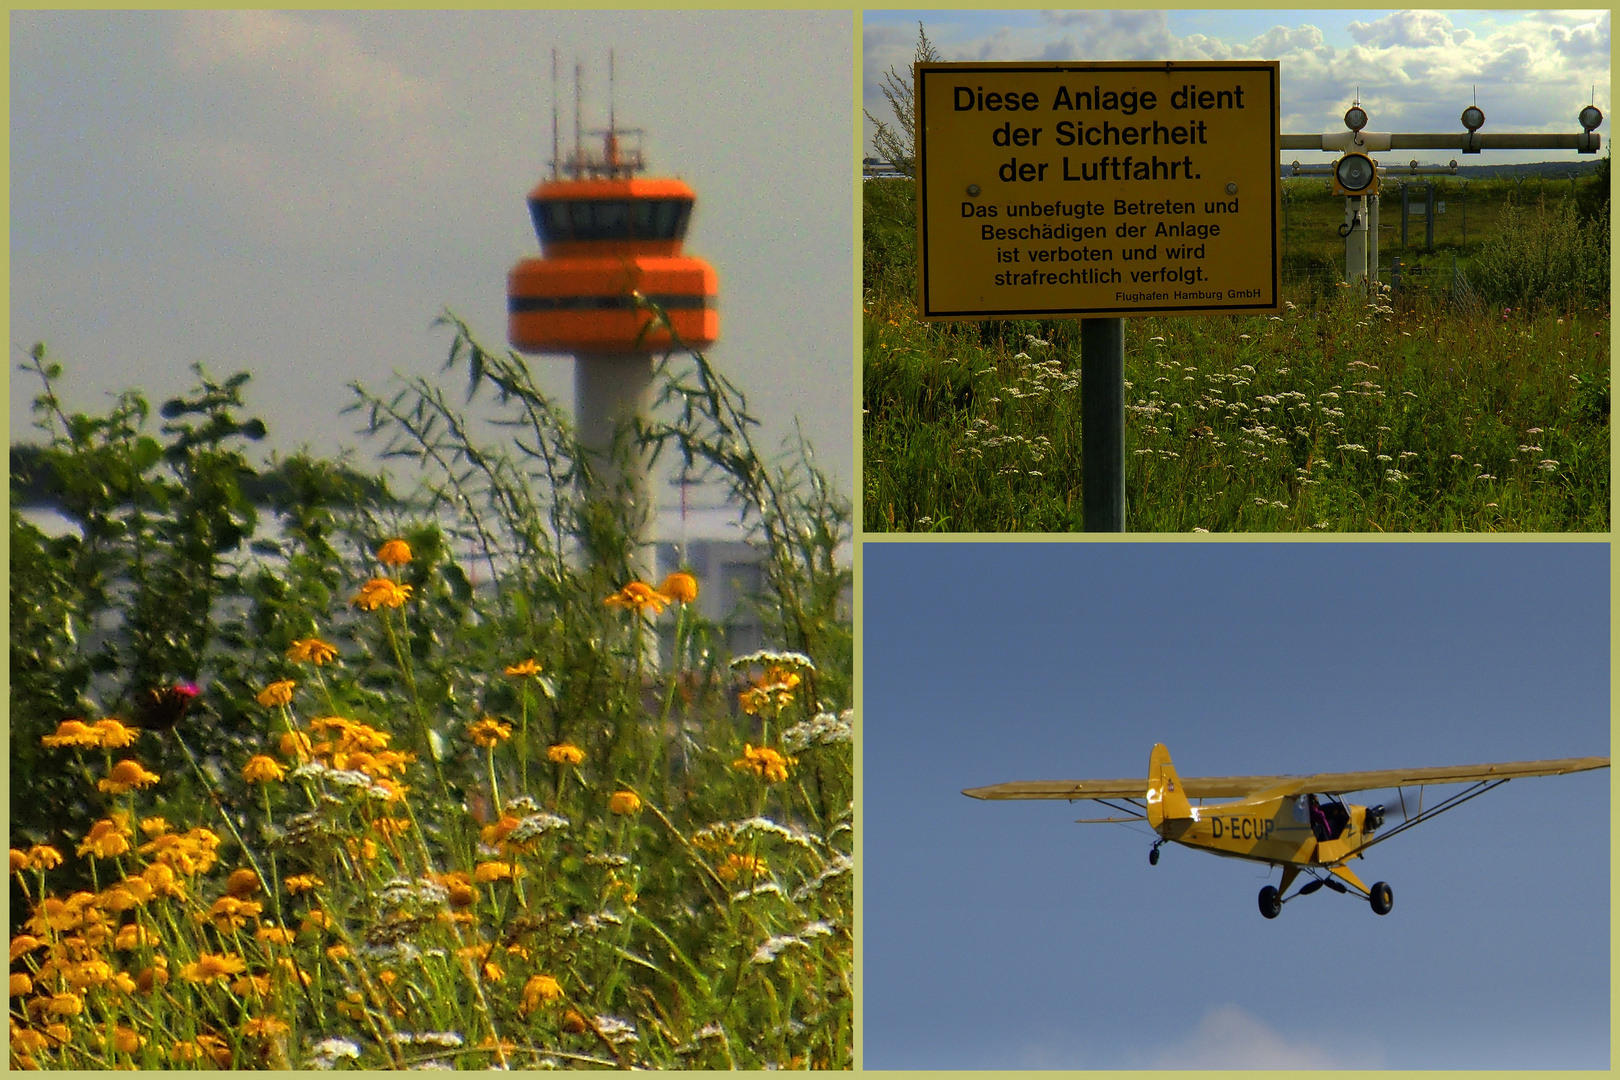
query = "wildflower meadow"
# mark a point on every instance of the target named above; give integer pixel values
(1474, 398)
(310, 774)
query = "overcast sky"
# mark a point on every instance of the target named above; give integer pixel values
(1004, 935)
(301, 193)
(1416, 70)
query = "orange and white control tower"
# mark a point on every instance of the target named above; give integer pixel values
(610, 239)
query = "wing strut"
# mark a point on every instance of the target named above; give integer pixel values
(1458, 799)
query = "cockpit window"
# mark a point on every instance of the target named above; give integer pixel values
(1328, 816)
(562, 220)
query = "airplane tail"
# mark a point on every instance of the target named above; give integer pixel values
(1165, 799)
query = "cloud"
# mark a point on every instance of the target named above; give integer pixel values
(308, 133)
(1411, 28)
(1229, 1038)
(1413, 70)
(300, 59)
(1108, 35)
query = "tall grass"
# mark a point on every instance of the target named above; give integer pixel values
(1348, 412)
(411, 821)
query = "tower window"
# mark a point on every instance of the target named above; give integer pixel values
(562, 220)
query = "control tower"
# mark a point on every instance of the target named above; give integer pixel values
(610, 239)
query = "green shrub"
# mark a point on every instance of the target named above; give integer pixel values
(1545, 256)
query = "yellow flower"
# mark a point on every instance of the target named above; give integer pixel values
(87, 973)
(127, 1040)
(194, 852)
(54, 913)
(122, 898)
(127, 775)
(210, 967)
(43, 857)
(566, 754)
(775, 687)
(153, 826)
(486, 872)
(131, 937)
(277, 693)
(274, 935)
(624, 802)
(19, 860)
(765, 763)
(21, 984)
(381, 592)
(108, 838)
(496, 832)
(73, 733)
(638, 596)
(113, 734)
(299, 883)
(64, 1004)
(680, 587)
(312, 650)
(539, 990)
(210, 1046)
(529, 667)
(242, 883)
(261, 769)
(392, 826)
(23, 944)
(294, 745)
(736, 866)
(488, 731)
(265, 1027)
(251, 986)
(462, 893)
(364, 850)
(155, 976)
(395, 552)
(337, 953)
(480, 953)
(229, 913)
(161, 876)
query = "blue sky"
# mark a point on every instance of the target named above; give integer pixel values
(1416, 70)
(301, 193)
(1004, 935)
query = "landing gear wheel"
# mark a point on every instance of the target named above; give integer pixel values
(1153, 856)
(1382, 897)
(1271, 902)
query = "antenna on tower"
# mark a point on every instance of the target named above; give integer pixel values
(611, 143)
(554, 114)
(579, 158)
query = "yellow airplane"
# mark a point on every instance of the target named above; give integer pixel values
(1296, 822)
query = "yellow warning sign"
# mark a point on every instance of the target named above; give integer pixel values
(1097, 189)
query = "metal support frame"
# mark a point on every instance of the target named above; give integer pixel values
(1360, 238)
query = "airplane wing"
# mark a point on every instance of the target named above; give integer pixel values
(1196, 787)
(1237, 787)
(1341, 783)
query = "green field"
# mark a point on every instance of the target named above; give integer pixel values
(1474, 399)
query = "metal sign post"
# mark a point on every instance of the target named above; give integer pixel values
(1098, 191)
(1102, 419)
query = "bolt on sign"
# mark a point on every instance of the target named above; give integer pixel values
(1097, 190)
